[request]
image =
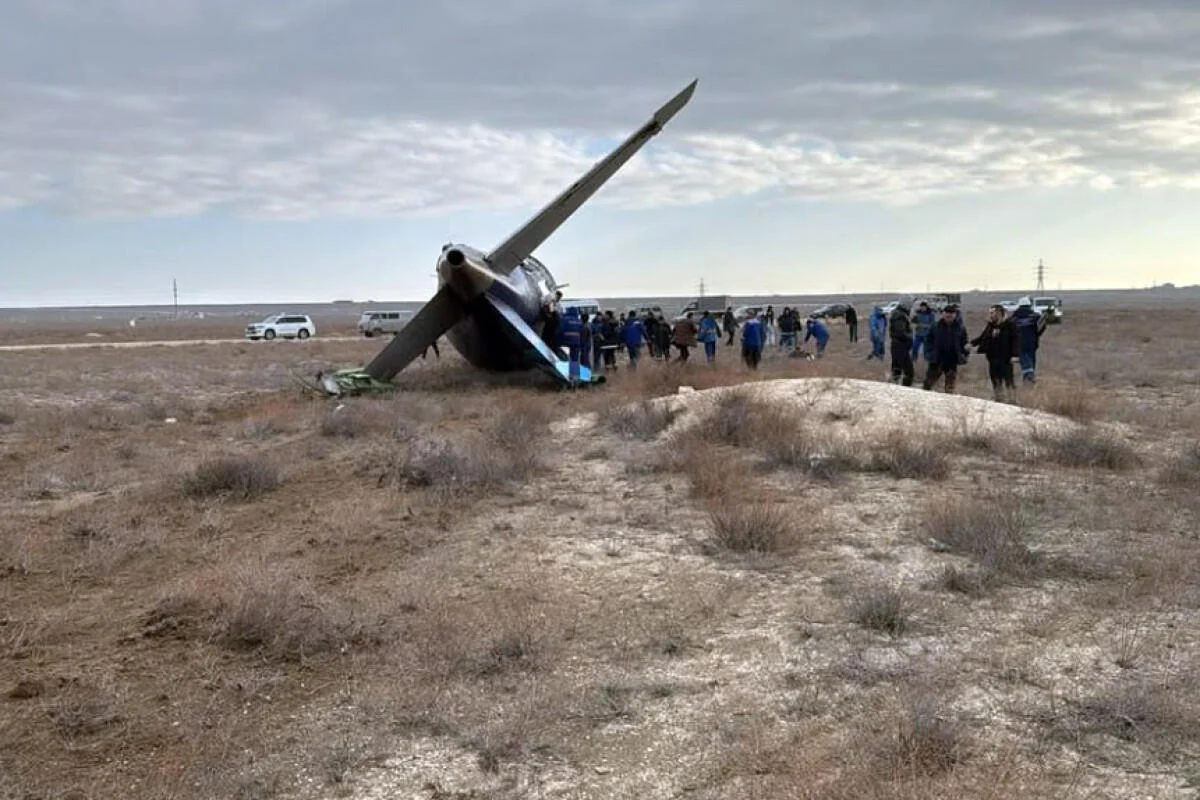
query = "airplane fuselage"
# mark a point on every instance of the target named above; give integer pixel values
(481, 337)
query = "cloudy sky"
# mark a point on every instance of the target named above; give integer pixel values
(318, 149)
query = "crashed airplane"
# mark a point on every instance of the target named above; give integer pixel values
(488, 304)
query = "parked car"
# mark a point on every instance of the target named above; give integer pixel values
(1049, 307)
(830, 311)
(288, 326)
(377, 323)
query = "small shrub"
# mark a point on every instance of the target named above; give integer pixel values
(236, 475)
(281, 615)
(883, 610)
(959, 581)
(643, 421)
(7, 418)
(734, 419)
(1090, 447)
(928, 740)
(905, 456)
(259, 428)
(824, 458)
(1076, 402)
(755, 528)
(1183, 470)
(991, 530)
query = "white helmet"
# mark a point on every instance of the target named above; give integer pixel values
(1024, 302)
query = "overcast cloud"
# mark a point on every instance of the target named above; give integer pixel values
(379, 107)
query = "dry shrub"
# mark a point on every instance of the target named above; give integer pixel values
(1183, 469)
(991, 530)
(880, 609)
(822, 456)
(929, 739)
(920, 457)
(352, 420)
(1089, 446)
(734, 420)
(512, 631)
(238, 476)
(84, 710)
(1073, 401)
(643, 421)
(7, 417)
(759, 528)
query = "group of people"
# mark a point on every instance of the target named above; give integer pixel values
(593, 341)
(943, 341)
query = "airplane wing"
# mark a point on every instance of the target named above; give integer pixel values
(536, 351)
(505, 258)
(440, 314)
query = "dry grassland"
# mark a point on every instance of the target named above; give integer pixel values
(215, 586)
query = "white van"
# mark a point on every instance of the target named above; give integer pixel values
(587, 307)
(377, 323)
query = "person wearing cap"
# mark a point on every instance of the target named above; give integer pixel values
(902, 341)
(999, 345)
(947, 349)
(1030, 326)
(923, 321)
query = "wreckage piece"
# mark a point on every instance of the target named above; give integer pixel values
(489, 305)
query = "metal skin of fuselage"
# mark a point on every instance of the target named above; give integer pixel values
(480, 337)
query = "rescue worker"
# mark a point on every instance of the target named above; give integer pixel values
(923, 321)
(684, 336)
(877, 326)
(902, 341)
(947, 348)
(1030, 326)
(552, 321)
(787, 329)
(571, 335)
(651, 326)
(999, 345)
(731, 325)
(710, 332)
(633, 334)
(753, 338)
(815, 329)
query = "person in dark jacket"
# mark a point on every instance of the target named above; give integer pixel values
(662, 337)
(611, 339)
(585, 350)
(901, 331)
(1030, 326)
(852, 323)
(947, 349)
(731, 325)
(998, 343)
(788, 321)
(597, 328)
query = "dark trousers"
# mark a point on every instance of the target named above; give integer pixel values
(710, 351)
(635, 352)
(683, 351)
(936, 371)
(752, 355)
(853, 331)
(730, 332)
(1001, 374)
(902, 363)
(610, 356)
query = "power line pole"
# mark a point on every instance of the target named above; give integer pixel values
(175, 293)
(702, 287)
(1041, 276)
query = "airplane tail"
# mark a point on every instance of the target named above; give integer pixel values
(505, 258)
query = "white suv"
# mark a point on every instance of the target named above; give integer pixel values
(289, 326)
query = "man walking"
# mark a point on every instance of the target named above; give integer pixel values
(877, 326)
(684, 336)
(852, 323)
(1030, 326)
(710, 332)
(999, 345)
(947, 348)
(753, 339)
(902, 342)
(787, 329)
(571, 335)
(731, 325)
(923, 322)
